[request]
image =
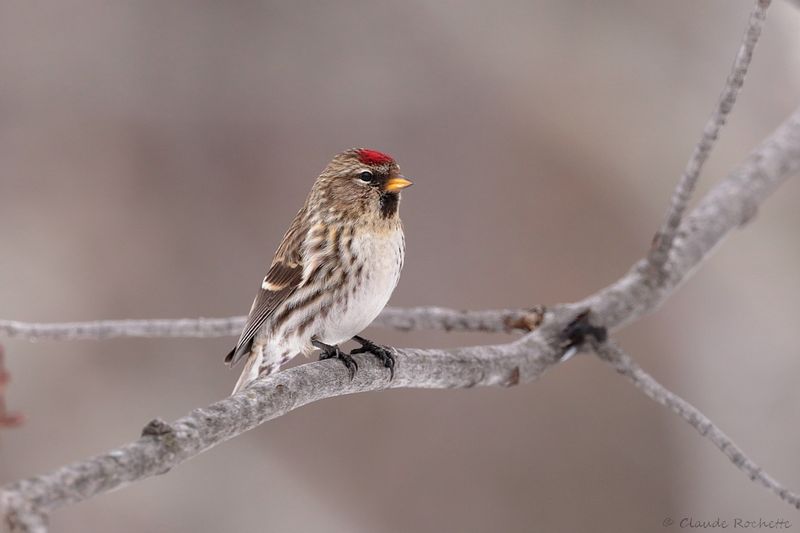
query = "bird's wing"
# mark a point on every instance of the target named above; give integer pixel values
(284, 276)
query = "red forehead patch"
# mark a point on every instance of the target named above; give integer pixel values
(373, 157)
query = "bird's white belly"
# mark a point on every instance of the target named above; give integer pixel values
(381, 259)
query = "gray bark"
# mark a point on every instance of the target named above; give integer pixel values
(437, 318)
(714, 124)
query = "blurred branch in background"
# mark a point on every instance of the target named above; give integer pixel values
(28, 503)
(434, 318)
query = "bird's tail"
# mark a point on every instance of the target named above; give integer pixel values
(252, 367)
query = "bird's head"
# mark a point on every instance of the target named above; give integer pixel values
(361, 183)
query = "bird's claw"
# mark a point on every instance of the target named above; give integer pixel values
(383, 353)
(333, 352)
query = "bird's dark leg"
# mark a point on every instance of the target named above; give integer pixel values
(333, 352)
(381, 352)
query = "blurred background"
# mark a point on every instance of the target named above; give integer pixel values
(153, 153)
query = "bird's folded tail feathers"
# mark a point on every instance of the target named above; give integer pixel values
(238, 352)
(250, 371)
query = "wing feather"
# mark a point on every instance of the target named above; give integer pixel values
(284, 276)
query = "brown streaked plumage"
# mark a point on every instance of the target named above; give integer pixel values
(334, 270)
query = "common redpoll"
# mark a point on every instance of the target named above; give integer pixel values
(333, 272)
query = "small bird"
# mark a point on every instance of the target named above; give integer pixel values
(333, 272)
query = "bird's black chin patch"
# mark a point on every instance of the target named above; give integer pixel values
(389, 203)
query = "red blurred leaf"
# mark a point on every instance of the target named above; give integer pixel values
(7, 419)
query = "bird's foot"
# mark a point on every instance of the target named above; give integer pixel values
(383, 353)
(333, 352)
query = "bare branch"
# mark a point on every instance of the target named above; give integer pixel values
(623, 364)
(107, 329)
(163, 445)
(440, 318)
(436, 318)
(730, 204)
(685, 188)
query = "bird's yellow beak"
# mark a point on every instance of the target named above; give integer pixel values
(397, 183)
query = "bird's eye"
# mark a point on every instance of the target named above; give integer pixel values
(366, 176)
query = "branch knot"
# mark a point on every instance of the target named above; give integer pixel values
(157, 428)
(528, 320)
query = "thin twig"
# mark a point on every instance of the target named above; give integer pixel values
(405, 319)
(623, 364)
(683, 192)
(27, 503)
(108, 329)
